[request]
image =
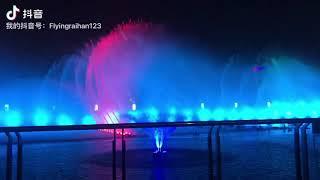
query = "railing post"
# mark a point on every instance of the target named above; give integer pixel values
(114, 170)
(297, 152)
(315, 154)
(123, 156)
(210, 156)
(9, 157)
(20, 153)
(305, 156)
(218, 153)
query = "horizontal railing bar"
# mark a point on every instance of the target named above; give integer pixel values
(156, 125)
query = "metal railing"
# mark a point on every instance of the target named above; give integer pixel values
(302, 170)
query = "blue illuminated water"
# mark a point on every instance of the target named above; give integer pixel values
(152, 76)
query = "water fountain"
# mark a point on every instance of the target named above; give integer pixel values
(141, 73)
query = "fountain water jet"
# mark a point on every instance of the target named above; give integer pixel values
(141, 73)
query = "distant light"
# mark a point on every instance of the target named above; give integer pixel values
(88, 119)
(202, 106)
(269, 104)
(204, 114)
(53, 108)
(6, 107)
(41, 117)
(172, 112)
(188, 114)
(13, 118)
(96, 107)
(153, 114)
(236, 105)
(134, 107)
(64, 119)
(134, 114)
(218, 114)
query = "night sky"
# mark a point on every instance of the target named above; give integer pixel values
(224, 27)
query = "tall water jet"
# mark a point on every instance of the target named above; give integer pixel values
(143, 65)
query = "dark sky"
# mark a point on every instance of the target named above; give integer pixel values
(225, 27)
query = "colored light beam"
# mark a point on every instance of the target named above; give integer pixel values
(64, 119)
(153, 114)
(41, 117)
(13, 118)
(172, 114)
(88, 119)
